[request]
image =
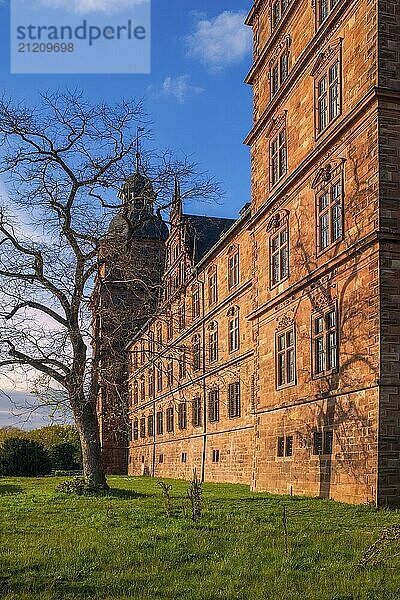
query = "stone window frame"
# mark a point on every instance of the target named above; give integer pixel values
(150, 425)
(233, 266)
(322, 313)
(213, 405)
(321, 71)
(151, 383)
(135, 430)
(275, 65)
(196, 412)
(285, 332)
(151, 344)
(284, 447)
(195, 302)
(182, 415)
(196, 352)
(277, 12)
(278, 225)
(142, 388)
(159, 335)
(170, 373)
(135, 393)
(233, 329)
(182, 371)
(142, 427)
(318, 6)
(181, 316)
(215, 456)
(212, 275)
(234, 399)
(170, 419)
(160, 422)
(277, 149)
(329, 175)
(213, 342)
(159, 376)
(322, 442)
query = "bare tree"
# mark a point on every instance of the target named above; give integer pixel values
(65, 160)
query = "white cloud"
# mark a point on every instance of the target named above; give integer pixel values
(89, 6)
(221, 41)
(178, 88)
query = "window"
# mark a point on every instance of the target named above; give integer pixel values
(325, 342)
(233, 332)
(135, 429)
(278, 157)
(161, 458)
(159, 336)
(196, 412)
(150, 425)
(196, 303)
(181, 317)
(142, 389)
(212, 288)
(142, 352)
(213, 343)
(279, 8)
(135, 359)
(160, 422)
(143, 427)
(285, 446)
(323, 442)
(170, 419)
(279, 72)
(215, 456)
(196, 350)
(170, 327)
(328, 96)
(182, 363)
(280, 256)
(135, 392)
(184, 457)
(329, 209)
(182, 415)
(151, 383)
(213, 405)
(151, 344)
(285, 358)
(170, 373)
(233, 270)
(159, 377)
(234, 400)
(325, 8)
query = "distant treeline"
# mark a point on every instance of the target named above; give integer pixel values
(40, 451)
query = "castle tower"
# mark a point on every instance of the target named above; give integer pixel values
(128, 289)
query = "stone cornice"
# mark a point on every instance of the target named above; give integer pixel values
(333, 263)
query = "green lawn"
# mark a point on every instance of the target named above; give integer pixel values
(123, 545)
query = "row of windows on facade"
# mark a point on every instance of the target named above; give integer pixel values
(322, 444)
(178, 278)
(184, 456)
(328, 100)
(139, 428)
(194, 352)
(323, 8)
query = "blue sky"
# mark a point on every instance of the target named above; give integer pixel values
(195, 93)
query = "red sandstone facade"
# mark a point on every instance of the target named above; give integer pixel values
(301, 392)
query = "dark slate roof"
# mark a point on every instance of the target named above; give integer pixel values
(203, 233)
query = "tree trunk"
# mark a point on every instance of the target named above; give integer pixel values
(88, 429)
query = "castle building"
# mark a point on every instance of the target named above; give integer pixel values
(273, 357)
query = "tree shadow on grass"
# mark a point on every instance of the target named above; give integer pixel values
(126, 494)
(7, 489)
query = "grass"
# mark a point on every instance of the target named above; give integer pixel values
(54, 546)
